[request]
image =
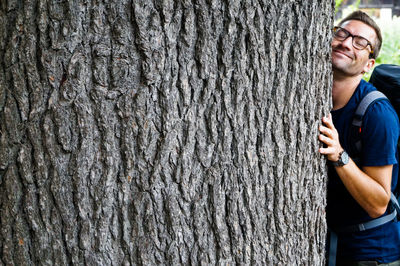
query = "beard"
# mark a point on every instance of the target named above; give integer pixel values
(346, 63)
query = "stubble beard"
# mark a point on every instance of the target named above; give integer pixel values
(345, 69)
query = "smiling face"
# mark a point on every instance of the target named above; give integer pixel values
(348, 60)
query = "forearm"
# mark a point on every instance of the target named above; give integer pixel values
(370, 194)
(369, 186)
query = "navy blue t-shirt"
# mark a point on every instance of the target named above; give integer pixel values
(380, 132)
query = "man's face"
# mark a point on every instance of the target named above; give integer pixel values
(348, 60)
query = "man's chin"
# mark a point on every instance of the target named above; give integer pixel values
(344, 71)
(339, 67)
(341, 59)
(343, 64)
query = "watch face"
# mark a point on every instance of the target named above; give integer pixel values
(345, 158)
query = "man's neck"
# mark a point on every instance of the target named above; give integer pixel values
(343, 88)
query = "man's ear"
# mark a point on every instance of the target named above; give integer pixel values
(370, 63)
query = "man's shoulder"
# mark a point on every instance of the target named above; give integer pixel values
(378, 109)
(382, 109)
(382, 116)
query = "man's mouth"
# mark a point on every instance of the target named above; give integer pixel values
(343, 53)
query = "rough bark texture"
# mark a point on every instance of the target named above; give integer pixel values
(163, 132)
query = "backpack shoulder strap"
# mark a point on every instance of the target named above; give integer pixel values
(394, 215)
(364, 104)
(395, 203)
(368, 225)
(362, 108)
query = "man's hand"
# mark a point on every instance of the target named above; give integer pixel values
(330, 137)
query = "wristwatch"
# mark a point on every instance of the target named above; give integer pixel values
(343, 159)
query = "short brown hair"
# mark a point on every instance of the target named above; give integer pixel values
(364, 18)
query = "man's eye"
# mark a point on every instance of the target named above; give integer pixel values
(341, 33)
(361, 42)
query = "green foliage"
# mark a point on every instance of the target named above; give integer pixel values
(352, 7)
(357, 4)
(390, 51)
(338, 3)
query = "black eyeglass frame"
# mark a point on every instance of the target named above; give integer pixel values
(336, 28)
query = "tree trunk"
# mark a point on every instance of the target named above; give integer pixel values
(152, 132)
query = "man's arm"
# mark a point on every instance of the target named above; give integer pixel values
(370, 187)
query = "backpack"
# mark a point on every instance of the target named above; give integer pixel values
(386, 78)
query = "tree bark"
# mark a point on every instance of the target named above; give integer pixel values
(151, 132)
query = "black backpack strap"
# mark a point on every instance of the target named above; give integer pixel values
(362, 108)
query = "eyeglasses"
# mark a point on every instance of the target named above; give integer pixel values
(358, 42)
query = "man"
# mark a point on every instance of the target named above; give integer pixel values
(358, 193)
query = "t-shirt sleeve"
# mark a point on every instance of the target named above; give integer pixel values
(380, 132)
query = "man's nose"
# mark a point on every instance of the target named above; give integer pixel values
(348, 42)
